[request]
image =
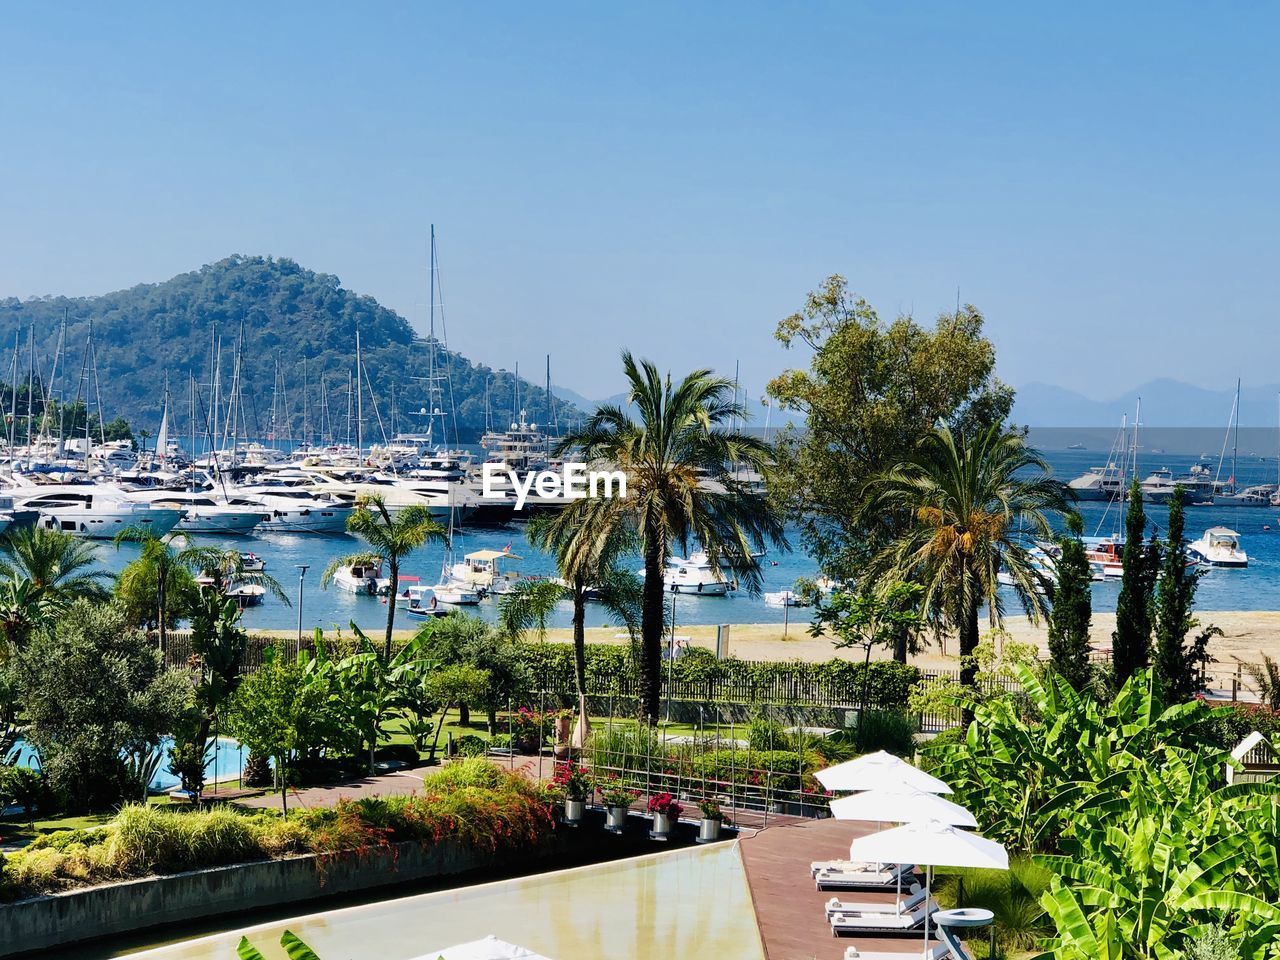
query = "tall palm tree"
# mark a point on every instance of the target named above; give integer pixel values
(168, 559)
(391, 537)
(587, 550)
(59, 565)
(679, 458)
(22, 609)
(975, 503)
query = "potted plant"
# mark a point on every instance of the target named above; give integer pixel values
(712, 819)
(573, 783)
(664, 808)
(617, 804)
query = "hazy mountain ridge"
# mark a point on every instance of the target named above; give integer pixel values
(287, 314)
(1165, 403)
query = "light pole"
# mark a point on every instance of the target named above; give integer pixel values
(302, 574)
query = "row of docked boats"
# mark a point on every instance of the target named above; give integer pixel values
(1216, 547)
(1110, 483)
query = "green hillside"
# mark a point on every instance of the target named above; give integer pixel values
(288, 314)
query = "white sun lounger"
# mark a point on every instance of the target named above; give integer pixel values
(842, 923)
(913, 899)
(939, 952)
(855, 876)
(827, 865)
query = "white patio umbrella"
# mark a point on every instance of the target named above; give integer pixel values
(931, 844)
(878, 771)
(901, 805)
(490, 948)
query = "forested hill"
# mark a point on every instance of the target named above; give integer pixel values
(288, 314)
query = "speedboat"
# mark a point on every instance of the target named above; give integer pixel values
(455, 594)
(784, 598)
(1105, 558)
(1220, 547)
(252, 563)
(365, 578)
(246, 594)
(1258, 495)
(422, 602)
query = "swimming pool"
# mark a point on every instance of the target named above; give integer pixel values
(227, 763)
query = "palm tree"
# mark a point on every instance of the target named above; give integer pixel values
(168, 558)
(679, 458)
(173, 560)
(22, 609)
(59, 565)
(391, 537)
(975, 504)
(587, 550)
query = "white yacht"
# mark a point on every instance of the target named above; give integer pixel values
(1099, 483)
(1257, 495)
(1220, 547)
(206, 513)
(293, 509)
(454, 593)
(483, 569)
(695, 575)
(97, 513)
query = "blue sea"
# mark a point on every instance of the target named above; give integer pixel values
(1256, 588)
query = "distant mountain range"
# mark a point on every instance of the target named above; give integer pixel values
(1165, 403)
(294, 322)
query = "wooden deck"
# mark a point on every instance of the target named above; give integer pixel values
(790, 910)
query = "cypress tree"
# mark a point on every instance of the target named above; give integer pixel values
(1131, 642)
(1177, 665)
(1072, 608)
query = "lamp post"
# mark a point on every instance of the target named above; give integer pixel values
(302, 573)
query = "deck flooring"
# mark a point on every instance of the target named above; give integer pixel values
(790, 910)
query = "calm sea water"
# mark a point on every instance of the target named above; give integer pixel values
(1257, 588)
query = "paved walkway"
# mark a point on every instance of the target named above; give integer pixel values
(386, 785)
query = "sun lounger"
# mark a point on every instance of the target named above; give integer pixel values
(939, 952)
(880, 923)
(858, 876)
(914, 896)
(827, 865)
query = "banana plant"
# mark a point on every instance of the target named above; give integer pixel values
(293, 946)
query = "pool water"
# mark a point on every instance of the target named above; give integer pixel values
(227, 762)
(692, 902)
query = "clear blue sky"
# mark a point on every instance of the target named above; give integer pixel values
(1102, 182)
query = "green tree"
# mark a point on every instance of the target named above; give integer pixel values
(391, 537)
(1072, 611)
(59, 565)
(683, 461)
(1178, 665)
(873, 390)
(95, 690)
(272, 712)
(970, 500)
(1131, 641)
(163, 572)
(22, 609)
(450, 687)
(867, 620)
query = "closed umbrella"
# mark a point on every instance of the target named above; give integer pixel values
(878, 771)
(931, 844)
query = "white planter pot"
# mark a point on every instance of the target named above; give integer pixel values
(661, 826)
(616, 819)
(709, 831)
(573, 811)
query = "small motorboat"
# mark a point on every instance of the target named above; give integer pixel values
(785, 598)
(247, 594)
(1220, 547)
(455, 594)
(421, 602)
(252, 563)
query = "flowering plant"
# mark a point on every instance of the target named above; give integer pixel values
(710, 808)
(665, 803)
(572, 780)
(615, 794)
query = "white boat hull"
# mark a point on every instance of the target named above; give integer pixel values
(232, 523)
(106, 524)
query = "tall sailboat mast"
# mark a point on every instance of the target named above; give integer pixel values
(359, 400)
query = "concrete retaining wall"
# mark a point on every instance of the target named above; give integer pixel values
(102, 911)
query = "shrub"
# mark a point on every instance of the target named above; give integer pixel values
(890, 730)
(470, 745)
(471, 772)
(404, 752)
(500, 741)
(150, 839)
(765, 734)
